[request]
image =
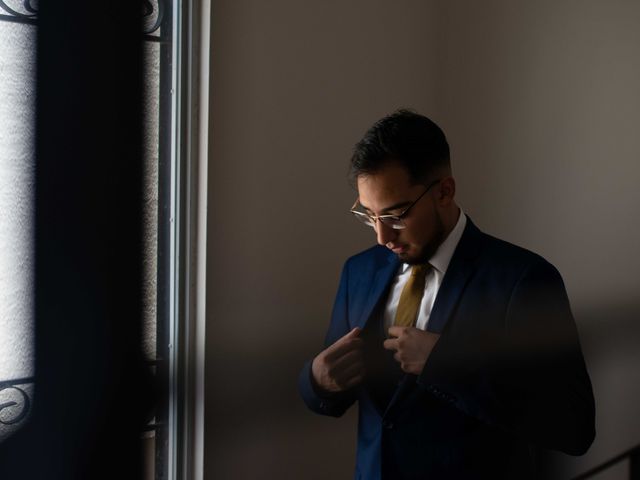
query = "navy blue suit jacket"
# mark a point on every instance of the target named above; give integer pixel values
(506, 376)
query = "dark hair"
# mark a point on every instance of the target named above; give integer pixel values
(406, 137)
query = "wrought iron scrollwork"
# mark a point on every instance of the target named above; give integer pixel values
(18, 407)
(149, 11)
(152, 12)
(30, 7)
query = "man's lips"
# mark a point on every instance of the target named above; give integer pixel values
(397, 248)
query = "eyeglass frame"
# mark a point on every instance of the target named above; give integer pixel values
(363, 217)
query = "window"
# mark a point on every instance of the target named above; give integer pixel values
(174, 151)
(17, 118)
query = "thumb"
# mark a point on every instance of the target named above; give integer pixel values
(354, 333)
(338, 347)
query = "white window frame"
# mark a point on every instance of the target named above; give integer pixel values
(190, 147)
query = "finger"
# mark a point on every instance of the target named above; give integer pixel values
(340, 351)
(352, 334)
(397, 358)
(354, 378)
(355, 332)
(390, 344)
(351, 371)
(396, 331)
(336, 350)
(347, 360)
(355, 381)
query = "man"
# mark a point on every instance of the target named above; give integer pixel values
(460, 349)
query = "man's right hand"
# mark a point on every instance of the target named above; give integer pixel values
(341, 365)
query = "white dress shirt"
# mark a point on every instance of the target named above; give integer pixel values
(439, 263)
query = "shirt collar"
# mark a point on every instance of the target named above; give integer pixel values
(441, 258)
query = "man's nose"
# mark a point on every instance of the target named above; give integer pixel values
(384, 233)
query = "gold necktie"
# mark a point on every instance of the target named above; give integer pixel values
(411, 297)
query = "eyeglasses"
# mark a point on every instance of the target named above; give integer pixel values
(394, 221)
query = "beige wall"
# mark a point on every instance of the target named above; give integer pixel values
(540, 103)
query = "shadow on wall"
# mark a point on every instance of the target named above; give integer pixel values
(610, 337)
(263, 430)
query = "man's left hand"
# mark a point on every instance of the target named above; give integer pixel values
(412, 346)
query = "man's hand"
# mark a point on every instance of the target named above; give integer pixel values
(412, 346)
(340, 366)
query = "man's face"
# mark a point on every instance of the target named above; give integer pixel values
(389, 192)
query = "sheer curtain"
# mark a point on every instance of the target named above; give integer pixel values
(17, 147)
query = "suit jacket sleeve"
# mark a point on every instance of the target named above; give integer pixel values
(527, 377)
(330, 404)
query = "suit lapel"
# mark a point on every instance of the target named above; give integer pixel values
(449, 293)
(379, 285)
(460, 270)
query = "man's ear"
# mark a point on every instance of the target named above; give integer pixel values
(446, 191)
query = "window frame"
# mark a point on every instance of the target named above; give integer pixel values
(187, 272)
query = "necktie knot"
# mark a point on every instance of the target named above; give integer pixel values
(419, 270)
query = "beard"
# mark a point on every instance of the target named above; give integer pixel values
(427, 250)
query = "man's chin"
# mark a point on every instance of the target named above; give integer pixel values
(416, 258)
(410, 259)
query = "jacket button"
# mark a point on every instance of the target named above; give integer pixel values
(387, 424)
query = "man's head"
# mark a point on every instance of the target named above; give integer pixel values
(402, 173)
(405, 137)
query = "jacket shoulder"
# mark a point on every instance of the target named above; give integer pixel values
(369, 258)
(502, 255)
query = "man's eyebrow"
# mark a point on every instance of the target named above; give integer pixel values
(395, 206)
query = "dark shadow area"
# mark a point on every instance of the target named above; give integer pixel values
(610, 336)
(91, 390)
(260, 402)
